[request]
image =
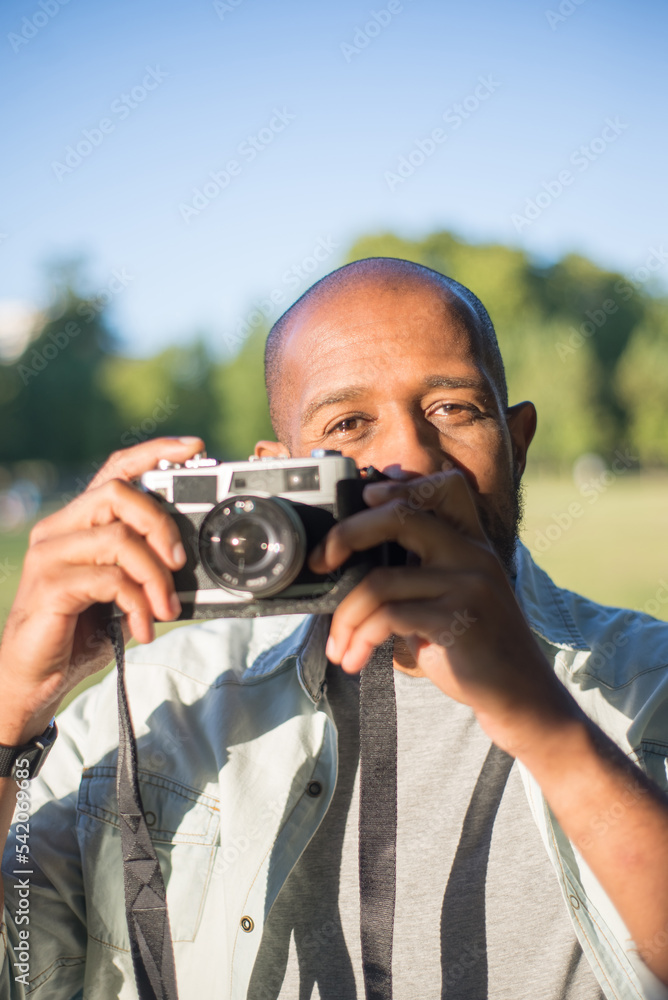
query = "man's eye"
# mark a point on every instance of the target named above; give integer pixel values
(347, 424)
(456, 412)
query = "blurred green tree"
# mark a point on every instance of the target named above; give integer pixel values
(52, 406)
(172, 393)
(244, 413)
(642, 381)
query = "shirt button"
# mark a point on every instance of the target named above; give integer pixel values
(150, 818)
(247, 924)
(314, 788)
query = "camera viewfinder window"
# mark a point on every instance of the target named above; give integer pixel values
(302, 479)
(278, 480)
(195, 489)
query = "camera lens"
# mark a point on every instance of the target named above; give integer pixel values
(245, 544)
(253, 544)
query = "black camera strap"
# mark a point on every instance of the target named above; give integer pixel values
(378, 820)
(145, 897)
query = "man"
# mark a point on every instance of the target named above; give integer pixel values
(532, 854)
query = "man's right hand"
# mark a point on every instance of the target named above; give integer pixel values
(112, 543)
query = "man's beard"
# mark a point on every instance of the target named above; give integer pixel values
(502, 524)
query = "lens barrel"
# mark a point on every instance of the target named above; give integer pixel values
(253, 544)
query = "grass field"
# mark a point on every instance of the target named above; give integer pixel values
(615, 548)
(609, 543)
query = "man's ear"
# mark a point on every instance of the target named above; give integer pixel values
(271, 449)
(521, 420)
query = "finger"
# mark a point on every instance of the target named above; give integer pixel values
(82, 586)
(376, 589)
(129, 463)
(446, 492)
(429, 621)
(117, 501)
(435, 541)
(376, 629)
(119, 545)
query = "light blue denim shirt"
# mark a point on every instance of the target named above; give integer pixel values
(233, 727)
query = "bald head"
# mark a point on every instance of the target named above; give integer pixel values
(378, 274)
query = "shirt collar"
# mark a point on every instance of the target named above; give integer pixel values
(544, 606)
(311, 659)
(301, 638)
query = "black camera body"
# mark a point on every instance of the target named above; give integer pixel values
(248, 528)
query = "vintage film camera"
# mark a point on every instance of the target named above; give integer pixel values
(248, 528)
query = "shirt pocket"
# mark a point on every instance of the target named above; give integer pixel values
(185, 828)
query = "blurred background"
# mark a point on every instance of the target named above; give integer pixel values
(175, 175)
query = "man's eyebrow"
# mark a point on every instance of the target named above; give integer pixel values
(478, 382)
(344, 395)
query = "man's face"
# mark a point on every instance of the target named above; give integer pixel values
(389, 375)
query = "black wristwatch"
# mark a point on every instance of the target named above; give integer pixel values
(29, 757)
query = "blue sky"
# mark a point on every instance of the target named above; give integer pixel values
(348, 95)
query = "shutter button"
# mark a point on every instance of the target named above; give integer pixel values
(314, 788)
(247, 924)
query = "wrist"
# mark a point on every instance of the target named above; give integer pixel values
(21, 719)
(25, 761)
(16, 735)
(559, 745)
(540, 735)
(26, 709)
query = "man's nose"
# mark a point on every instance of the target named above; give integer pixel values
(410, 447)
